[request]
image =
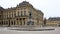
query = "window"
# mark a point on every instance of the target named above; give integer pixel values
(0, 23)
(5, 22)
(30, 15)
(0, 16)
(8, 15)
(11, 14)
(21, 13)
(24, 12)
(11, 22)
(17, 19)
(5, 15)
(14, 14)
(20, 19)
(24, 20)
(18, 13)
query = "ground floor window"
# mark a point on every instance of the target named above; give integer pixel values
(0, 23)
(11, 22)
(59, 25)
(5, 22)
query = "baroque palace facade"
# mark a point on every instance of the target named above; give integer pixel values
(23, 14)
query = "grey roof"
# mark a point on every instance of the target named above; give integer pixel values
(40, 11)
(54, 18)
(24, 3)
(1, 8)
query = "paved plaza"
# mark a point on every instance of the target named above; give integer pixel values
(4, 30)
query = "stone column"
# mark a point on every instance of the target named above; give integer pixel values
(22, 22)
(18, 22)
(25, 21)
(3, 22)
(8, 22)
(13, 22)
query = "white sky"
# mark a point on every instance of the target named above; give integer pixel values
(50, 8)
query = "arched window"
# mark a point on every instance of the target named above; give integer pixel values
(24, 13)
(21, 13)
(11, 22)
(18, 13)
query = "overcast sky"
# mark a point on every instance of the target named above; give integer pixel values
(50, 8)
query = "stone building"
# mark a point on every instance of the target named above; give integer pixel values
(53, 21)
(23, 14)
(1, 15)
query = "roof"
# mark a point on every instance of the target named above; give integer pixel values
(40, 11)
(54, 18)
(24, 3)
(1, 8)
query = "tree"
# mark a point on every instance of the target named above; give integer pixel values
(45, 21)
